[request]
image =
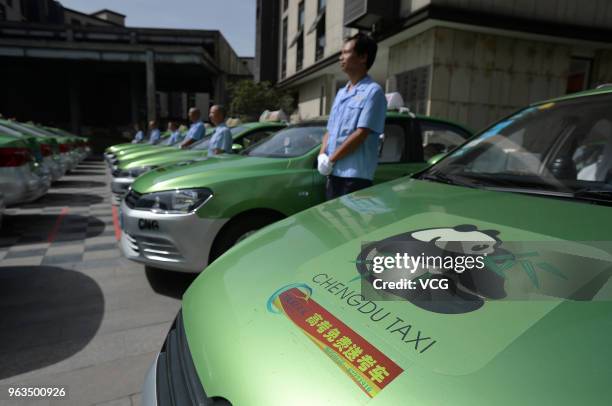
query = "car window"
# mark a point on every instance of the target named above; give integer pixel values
(290, 142)
(562, 147)
(392, 147)
(440, 138)
(201, 144)
(253, 138)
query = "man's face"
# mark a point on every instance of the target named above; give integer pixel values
(350, 61)
(194, 116)
(152, 125)
(215, 115)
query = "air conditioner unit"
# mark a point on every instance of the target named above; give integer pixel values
(363, 14)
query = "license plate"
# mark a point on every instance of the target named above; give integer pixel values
(144, 224)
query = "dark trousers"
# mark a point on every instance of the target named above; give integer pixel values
(337, 186)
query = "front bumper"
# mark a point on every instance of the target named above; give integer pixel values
(120, 187)
(149, 387)
(177, 242)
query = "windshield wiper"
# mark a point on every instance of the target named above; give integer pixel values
(441, 177)
(600, 195)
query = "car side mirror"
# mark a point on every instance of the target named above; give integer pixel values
(236, 148)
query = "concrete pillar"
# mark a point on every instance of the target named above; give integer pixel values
(220, 85)
(151, 101)
(134, 98)
(75, 107)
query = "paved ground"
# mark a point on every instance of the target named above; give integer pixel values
(73, 312)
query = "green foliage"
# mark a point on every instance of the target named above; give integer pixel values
(250, 99)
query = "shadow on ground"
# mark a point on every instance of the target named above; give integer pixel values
(48, 315)
(77, 184)
(55, 199)
(168, 283)
(21, 229)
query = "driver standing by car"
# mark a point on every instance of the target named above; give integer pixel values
(155, 134)
(221, 140)
(196, 131)
(349, 152)
(139, 134)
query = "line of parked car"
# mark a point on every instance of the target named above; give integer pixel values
(34, 156)
(282, 313)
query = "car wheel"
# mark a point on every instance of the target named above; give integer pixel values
(238, 230)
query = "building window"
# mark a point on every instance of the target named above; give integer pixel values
(301, 15)
(319, 25)
(9, 3)
(285, 5)
(300, 37)
(579, 75)
(413, 85)
(300, 52)
(284, 50)
(2, 13)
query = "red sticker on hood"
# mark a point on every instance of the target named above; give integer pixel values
(360, 360)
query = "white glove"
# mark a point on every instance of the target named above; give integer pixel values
(324, 165)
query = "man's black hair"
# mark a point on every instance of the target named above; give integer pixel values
(365, 45)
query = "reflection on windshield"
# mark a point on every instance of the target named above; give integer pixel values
(559, 147)
(291, 142)
(203, 144)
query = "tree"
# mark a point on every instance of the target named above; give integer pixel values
(250, 99)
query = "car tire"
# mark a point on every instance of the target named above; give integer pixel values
(238, 229)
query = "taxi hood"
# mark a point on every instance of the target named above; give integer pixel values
(205, 172)
(259, 320)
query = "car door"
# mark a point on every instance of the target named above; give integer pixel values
(400, 151)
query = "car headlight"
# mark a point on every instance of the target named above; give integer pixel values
(179, 201)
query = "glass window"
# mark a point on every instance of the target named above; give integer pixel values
(563, 147)
(253, 138)
(440, 138)
(392, 144)
(301, 16)
(284, 49)
(290, 142)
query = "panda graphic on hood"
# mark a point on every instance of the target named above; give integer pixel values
(467, 289)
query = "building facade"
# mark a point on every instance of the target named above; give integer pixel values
(465, 60)
(94, 75)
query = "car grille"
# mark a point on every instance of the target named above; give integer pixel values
(131, 198)
(159, 249)
(132, 243)
(177, 380)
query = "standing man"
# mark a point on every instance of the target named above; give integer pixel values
(349, 152)
(221, 140)
(175, 134)
(139, 134)
(155, 134)
(196, 131)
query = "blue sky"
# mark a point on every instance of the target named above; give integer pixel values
(234, 18)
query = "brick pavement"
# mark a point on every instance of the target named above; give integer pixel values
(74, 311)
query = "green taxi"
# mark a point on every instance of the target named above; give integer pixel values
(290, 316)
(182, 217)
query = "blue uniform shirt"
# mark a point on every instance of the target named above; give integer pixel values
(174, 137)
(196, 131)
(155, 136)
(364, 106)
(138, 137)
(221, 139)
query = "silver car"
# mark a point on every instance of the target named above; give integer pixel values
(51, 162)
(21, 179)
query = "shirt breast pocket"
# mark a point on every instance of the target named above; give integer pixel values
(352, 113)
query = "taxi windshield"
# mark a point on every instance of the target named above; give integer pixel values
(562, 149)
(288, 143)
